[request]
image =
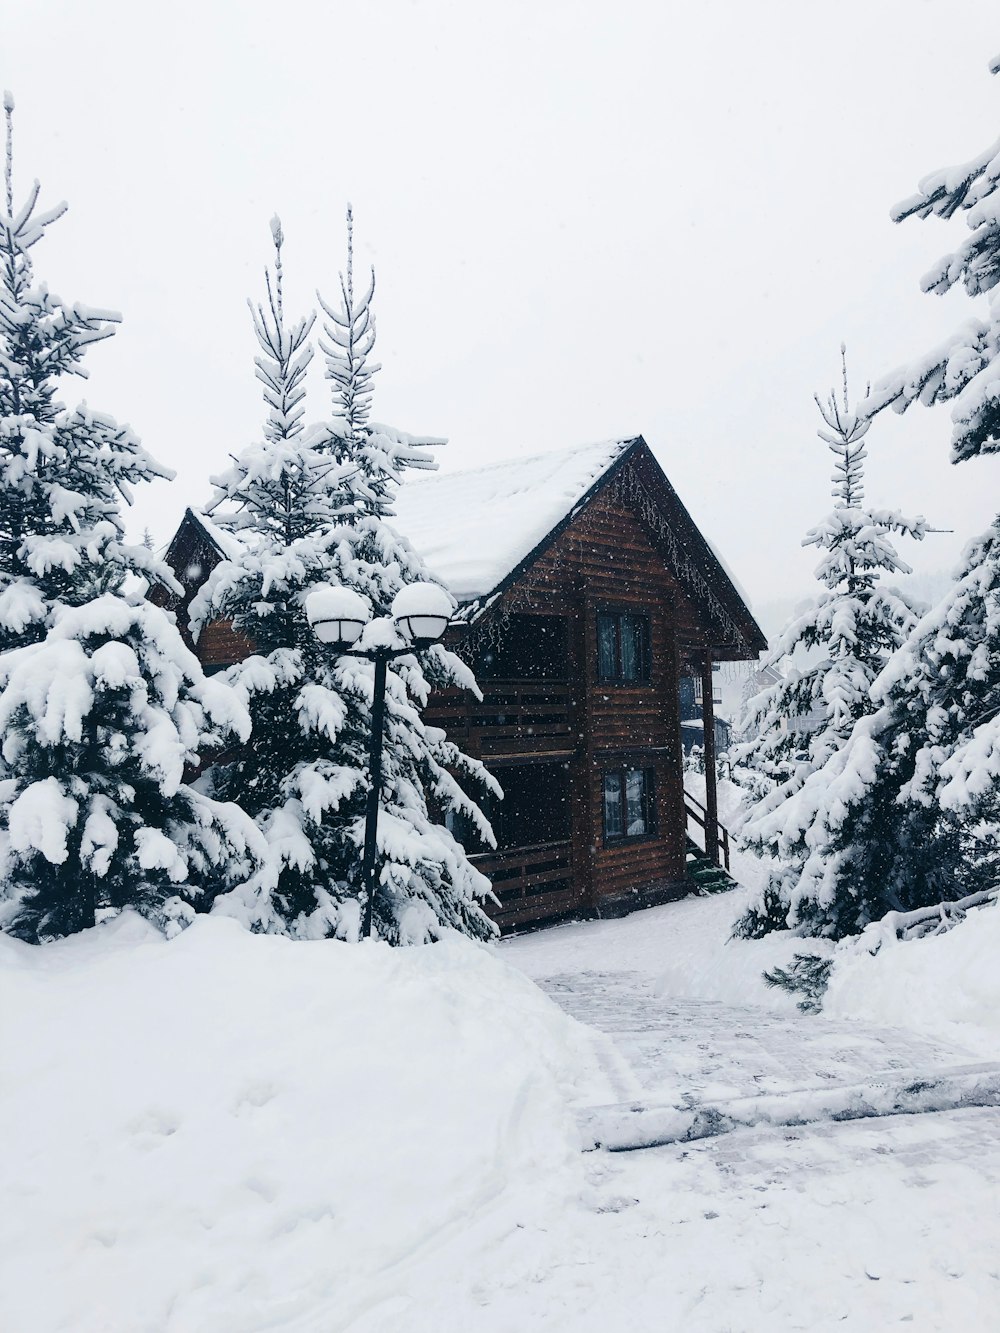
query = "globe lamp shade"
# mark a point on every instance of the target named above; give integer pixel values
(338, 616)
(422, 612)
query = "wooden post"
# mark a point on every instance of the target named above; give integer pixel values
(711, 796)
(672, 800)
(586, 810)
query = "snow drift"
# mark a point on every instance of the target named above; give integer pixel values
(237, 1131)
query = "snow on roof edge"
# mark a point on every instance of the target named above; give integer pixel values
(475, 526)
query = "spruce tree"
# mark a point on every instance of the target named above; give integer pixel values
(826, 659)
(101, 704)
(906, 814)
(63, 472)
(305, 778)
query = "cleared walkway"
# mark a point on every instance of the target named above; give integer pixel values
(700, 1068)
(691, 1051)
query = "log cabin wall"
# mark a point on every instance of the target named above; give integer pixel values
(602, 562)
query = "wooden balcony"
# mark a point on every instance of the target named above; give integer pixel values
(514, 717)
(532, 883)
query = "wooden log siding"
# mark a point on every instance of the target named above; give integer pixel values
(604, 560)
(220, 646)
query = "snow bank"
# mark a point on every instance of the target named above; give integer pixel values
(230, 1131)
(704, 963)
(947, 984)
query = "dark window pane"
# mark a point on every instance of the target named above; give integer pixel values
(613, 827)
(532, 648)
(535, 807)
(631, 632)
(622, 646)
(635, 802)
(607, 649)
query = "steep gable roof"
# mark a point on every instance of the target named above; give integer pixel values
(478, 531)
(473, 529)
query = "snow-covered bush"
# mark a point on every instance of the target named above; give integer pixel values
(694, 760)
(101, 704)
(313, 506)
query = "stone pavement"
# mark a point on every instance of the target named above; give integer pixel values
(691, 1051)
(695, 1068)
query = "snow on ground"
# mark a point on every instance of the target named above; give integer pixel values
(948, 985)
(684, 947)
(857, 1225)
(231, 1132)
(227, 1133)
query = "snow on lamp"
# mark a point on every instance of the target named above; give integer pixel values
(337, 615)
(422, 612)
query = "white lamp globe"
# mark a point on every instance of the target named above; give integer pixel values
(337, 615)
(422, 612)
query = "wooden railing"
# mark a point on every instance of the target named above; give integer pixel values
(696, 811)
(513, 716)
(530, 882)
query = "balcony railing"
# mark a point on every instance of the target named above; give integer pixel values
(514, 716)
(532, 883)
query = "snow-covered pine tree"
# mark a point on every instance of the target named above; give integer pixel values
(305, 777)
(97, 725)
(62, 472)
(827, 657)
(101, 704)
(907, 813)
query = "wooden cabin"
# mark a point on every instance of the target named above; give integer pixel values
(586, 593)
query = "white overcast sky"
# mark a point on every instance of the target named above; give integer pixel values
(587, 220)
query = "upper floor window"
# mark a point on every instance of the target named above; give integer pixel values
(532, 648)
(623, 646)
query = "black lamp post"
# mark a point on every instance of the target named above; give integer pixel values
(339, 616)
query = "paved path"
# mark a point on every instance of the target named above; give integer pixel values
(691, 1051)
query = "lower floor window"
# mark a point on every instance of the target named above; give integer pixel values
(629, 807)
(535, 808)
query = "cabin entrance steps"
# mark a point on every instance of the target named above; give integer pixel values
(708, 873)
(704, 875)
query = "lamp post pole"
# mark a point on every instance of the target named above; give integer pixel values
(338, 616)
(368, 868)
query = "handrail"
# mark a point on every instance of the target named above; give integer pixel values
(722, 833)
(694, 801)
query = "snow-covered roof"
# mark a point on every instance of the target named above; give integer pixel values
(228, 544)
(473, 528)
